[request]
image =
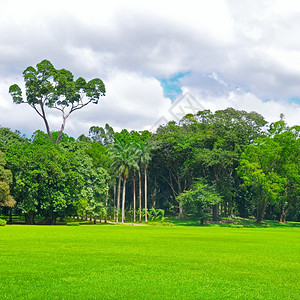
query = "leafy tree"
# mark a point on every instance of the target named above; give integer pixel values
(199, 200)
(258, 170)
(104, 136)
(46, 180)
(5, 180)
(47, 87)
(101, 159)
(169, 161)
(289, 167)
(8, 137)
(270, 167)
(228, 132)
(94, 190)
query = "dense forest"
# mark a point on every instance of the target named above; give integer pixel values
(208, 165)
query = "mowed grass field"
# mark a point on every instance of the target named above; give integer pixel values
(131, 262)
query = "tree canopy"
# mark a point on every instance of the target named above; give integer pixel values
(208, 165)
(47, 87)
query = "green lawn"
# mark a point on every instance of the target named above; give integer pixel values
(126, 262)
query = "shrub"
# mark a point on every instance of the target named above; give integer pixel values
(73, 224)
(2, 222)
(236, 226)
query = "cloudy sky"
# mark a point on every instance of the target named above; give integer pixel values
(240, 54)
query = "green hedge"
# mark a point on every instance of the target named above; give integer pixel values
(73, 224)
(2, 222)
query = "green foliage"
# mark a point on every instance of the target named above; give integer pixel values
(2, 222)
(5, 180)
(204, 145)
(73, 224)
(46, 180)
(270, 167)
(155, 214)
(8, 137)
(104, 136)
(199, 200)
(47, 87)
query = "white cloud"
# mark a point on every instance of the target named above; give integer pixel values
(249, 44)
(132, 101)
(238, 99)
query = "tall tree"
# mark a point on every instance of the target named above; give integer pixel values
(258, 169)
(289, 140)
(47, 87)
(104, 136)
(270, 168)
(205, 145)
(46, 180)
(144, 154)
(124, 158)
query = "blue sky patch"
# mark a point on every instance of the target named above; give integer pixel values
(172, 86)
(295, 100)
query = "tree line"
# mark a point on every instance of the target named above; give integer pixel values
(207, 165)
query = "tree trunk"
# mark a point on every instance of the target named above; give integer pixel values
(60, 133)
(106, 202)
(216, 216)
(283, 215)
(10, 216)
(261, 212)
(180, 214)
(118, 200)
(29, 217)
(62, 128)
(95, 220)
(224, 208)
(123, 200)
(134, 200)
(114, 201)
(230, 207)
(146, 199)
(43, 115)
(140, 197)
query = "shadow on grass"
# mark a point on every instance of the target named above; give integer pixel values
(172, 221)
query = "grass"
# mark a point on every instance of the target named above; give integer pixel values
(127, 262)
(232, 222)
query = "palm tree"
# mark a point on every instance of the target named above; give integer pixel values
(136, 152)
(124, 156)
(140, 196)
(115, 151)
(145, 157)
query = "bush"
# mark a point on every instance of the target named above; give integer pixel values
(236, 226)
(73, 224)
(2, 222)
